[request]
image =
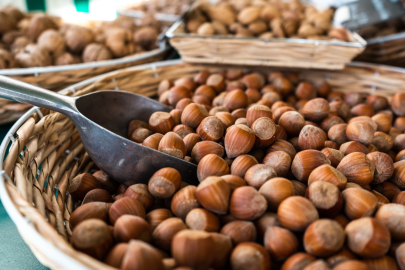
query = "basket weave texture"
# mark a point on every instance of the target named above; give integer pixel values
(294, 53)
(47, 152)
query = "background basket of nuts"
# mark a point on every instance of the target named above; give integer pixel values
(44, 51)
(263, 33)
(166, 11)
(337, 134)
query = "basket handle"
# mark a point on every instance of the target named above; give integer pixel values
(26, 93)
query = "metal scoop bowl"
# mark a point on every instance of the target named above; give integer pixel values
(102, 119)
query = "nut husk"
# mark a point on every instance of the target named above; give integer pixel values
(96, 52)
(52, 41)
(33, 56)
(77, 38)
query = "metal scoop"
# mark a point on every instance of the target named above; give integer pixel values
(102, 119)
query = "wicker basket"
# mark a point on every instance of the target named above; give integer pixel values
(40, 206)
(280, 52)
(388, 50)
(58, 77)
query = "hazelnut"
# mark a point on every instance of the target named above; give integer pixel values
(316, 109)
(368, 237)
(193, 248)
(211, 129)
(240, 231)
(153, 141)
(329, 174)
(296, 213)
(97, 195)
(141, 255)
(105, 181)
(202, 76)
(311, 137)
(352, 147)
(235, 99)
(267, 220)
(38, 24)
(172, 144)
(77, 38)
(384, 262)
(201, 149)
(357, 168)
(233, 181)
(326, 197)
(164, 183)
(361, 132)
(388, 189)
(399, 254)
(343, 255)
(383, 122)
(213, 193)
(217, 82)
(241, 164)
(392, 216)
(257, 111)
(164, 85)
(223, 248)
(397, 104)
(81, 185)
(241, 121)
(129, 227)
(399, 197)
(277, 113)
(337, 133)
(116, 254)
(265, 131)
(239, 113)
(384, 167)
(398, 175)
(253, 94)
(177, 93)
(33, 56)
(364, 119)
(239, 139)
(163, 234)
(91, 210)
(201, 219)
(157, 216)
(280, 161)
(400, 123)
(247, 203)
(184, 201)
(324, 237)
(93, 237)
(331, 121)
(140, 134)
(226, 118)
(281, 134)
(183, 130)
(161, 122)
(383, 142)
(52, 41)
(211, 165)
(249, 256)
(305, 162)
(276, 190)
(358, 203)
(292, 122)
(362, 110)
(135, 124)
(283, 145)
(182, 103)
(125, 206)
(176, 114)
(351, 265)
(95, 52)
(187, 82)
(193, 115)
(141, 193)
(258, 174)
(280, 243)
(118, 40)
(146, 37)
(298, 261)
(334, 156)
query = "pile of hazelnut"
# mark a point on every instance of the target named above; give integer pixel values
(264, 19)
(37, 40)
(292, 176)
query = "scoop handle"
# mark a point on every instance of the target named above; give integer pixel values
(30, 94)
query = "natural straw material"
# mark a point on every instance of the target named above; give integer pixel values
(388, 50)
(47, 152)
(279, 52)
(57, 77)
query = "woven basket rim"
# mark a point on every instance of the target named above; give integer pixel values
(360, 42)
(138, 14)
(51, 69)
(23, 224)
(376, 40)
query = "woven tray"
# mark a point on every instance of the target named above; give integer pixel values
(58, 77)
(388, 50)
(39, 205)
(280, 52)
